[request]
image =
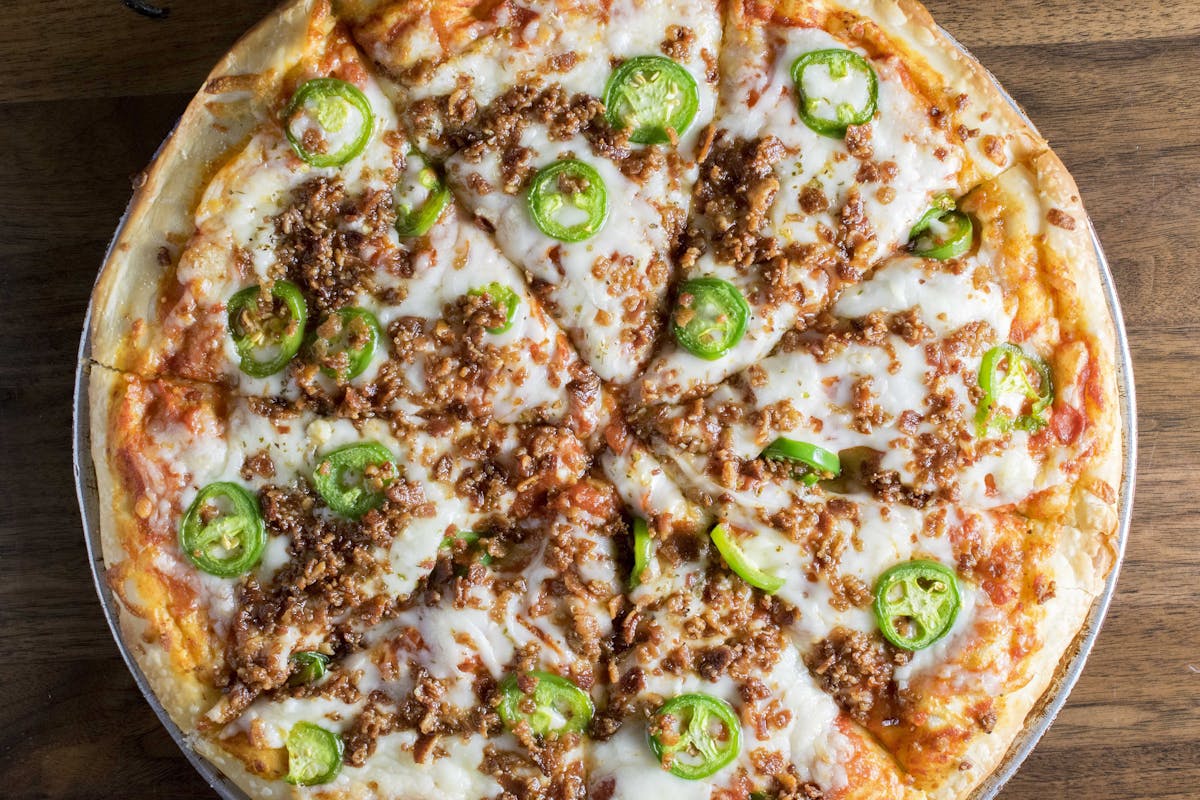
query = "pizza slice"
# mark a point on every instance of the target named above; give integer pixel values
(978, 379)
(572, 130)
(708, 687)
(838, 139)
(479, 684)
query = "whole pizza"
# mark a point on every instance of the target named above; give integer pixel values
(604, 399)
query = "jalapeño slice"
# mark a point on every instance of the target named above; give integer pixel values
(352, 479)
(267, 330)
(314, 754)
(328, 122)
(740, 564)
(710, 317)
(1019, 367)
(222, 531)
(549, 703)
(942, 232)
(421, 200)
(568, 200)
(652, 96)
(695, 735)
(916, 603)
(345, 343)
(817, 462)
(837, 88)
(308, 667)
(472, 540)
(503, 297)
(643, 551)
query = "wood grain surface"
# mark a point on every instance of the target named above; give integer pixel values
(87, 91)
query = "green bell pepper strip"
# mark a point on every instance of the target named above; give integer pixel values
(358, 334)
(352, 479)
(682, 738)
(252, 333)
(1020, 366)
(502, 296)
(822, 114)
(223, 541)
(329, 102)
(818, 462)
(710, 317)
(417, 220)
(653, 97)
(942, 232)
(555, 706)
(308, 667)
(643, 551)
(740, 564)
(314, 755)
(923, 597)
(568, 182)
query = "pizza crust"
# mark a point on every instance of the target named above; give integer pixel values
(159, 219)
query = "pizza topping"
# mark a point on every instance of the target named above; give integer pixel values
(267, 326)
(469, 543)
(695, 735)
(352, 479)
(942, 232)
(652, 96)
(568, 200)
(837, 89)
(547, 703)
(503, 297)
(308, 667)
(1026, 378)
(420, 199)
(222, 531)
(710, 317)
(741, 564)
(816, 462)
(345, 343)
(328, 122)
(314, 754)
(643, 552)
(916, 603)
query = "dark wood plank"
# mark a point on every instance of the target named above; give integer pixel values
(87, 91)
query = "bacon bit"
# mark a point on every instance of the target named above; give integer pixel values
(989, 482)
(993, 148)
(1061, 219)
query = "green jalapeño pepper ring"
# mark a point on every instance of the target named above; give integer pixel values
(549, 703)
(643, 551)
(1019, 368)
(817, 462)
(942, 232)
(416, 219)
(314, 754)
(819, 110)
(916, 603)
(695, 735)
(573, 190)
(503, 297)
(352, 479)
(308, 667)
(710, 317)
(322, 107)
(266, 339)
(345, 343)
(740, 564)
(653, 97)
(222, 531)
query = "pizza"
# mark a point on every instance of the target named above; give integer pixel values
(558, 399)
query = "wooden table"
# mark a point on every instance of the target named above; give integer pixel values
(87, 91)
